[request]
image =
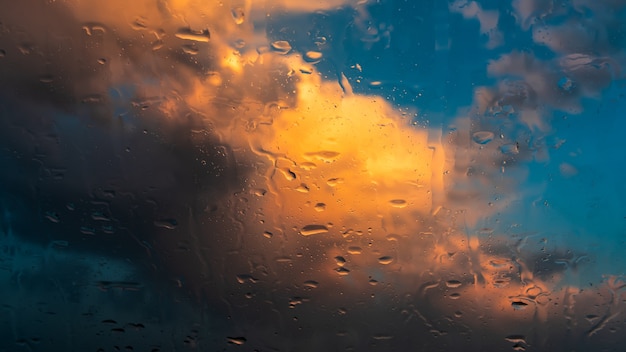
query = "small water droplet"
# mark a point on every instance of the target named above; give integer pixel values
(102, 61)
(190, 49)
(373, 282)
(482, 137)
(93, 29)
(238, 340)
(385, 260)
(355, 250)
(453, 283)
(334, 181)
(311, 284)
(169, 224)
(197, 36)
(312, 56)
(268, 234)
(519, 305)
(313, 229)
(342, 271)
(320, 207)
(341, 261)
(3, 53)
(566, 84)
(303, 188)
(281, 46)
(52, 216)
(238, 14)
(398, 203)
(455, 295)
(510, 149)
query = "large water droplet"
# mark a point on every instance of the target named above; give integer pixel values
(398, 203)
(310, 230)
(281, 46)
(510, 149)
(482, 137)
(197, 36)
(453, 283)
(385, 260)
(312, 56)
(238, 14)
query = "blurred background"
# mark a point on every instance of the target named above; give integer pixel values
(334, 175)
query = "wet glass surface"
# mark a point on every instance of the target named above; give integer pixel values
(337, 175)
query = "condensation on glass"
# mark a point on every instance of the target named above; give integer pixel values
(334, 175)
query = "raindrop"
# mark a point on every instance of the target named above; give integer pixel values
(355, 250)
(190, 49)
(341, 261)
(46, 79)
(268, 234)
(398, 203)
(385, 260)
(281, 46)
(238, 14)
(303, 188)
(196, 36)
(52, 216)
(169, 224)
(239, 340)
(320, 207)
(3, 53)
(342, 271)
(510, 149)
(102, 61)
(93, 29)
(455, 295)
(453, 283)
(311, 284)
(519, 305)
(566, 84)
(516, 338)
(312, 56)
(482, 137)
(309, 230)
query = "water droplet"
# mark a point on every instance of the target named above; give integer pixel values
(139, 24)
(52, 216)
(238, 14)
(311, 284)
(320, 207)
(327, 156)
(355, 250)
(312, 56)
(453, 283)
(190, 49)
(242, 278)
(310, 230)
(566, 84)
(238, 340)
(102, 61)
(3, 53)
(385, 260)
(268, 234)
(519, 305)
(303, 188)
(46, 79)
(516, 338)
(94, 29)
(85, 230)
(342, 271)
(334, 181)
(510, 149)
(196, 36)
(169, 224)
(281, 46)
(373, 282)
(455, 295)
(398, 203)
(341, 261)
(482, 137)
